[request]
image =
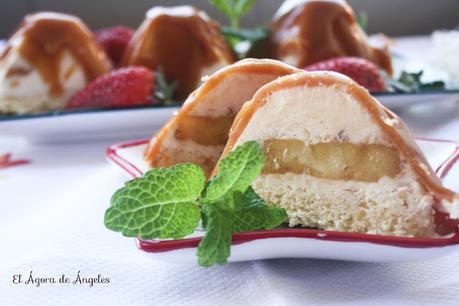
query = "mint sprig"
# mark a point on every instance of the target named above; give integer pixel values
(170, 202)
(236, 172)
(242, 212)
(362, 20)
(164, 90)
(234, 9)
(412, 82)
(161, 204)
(215, 245)
(241, 40)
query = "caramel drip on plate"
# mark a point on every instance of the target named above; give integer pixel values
(180, 41)
(378, 112)
(319, 30)
(48, 35)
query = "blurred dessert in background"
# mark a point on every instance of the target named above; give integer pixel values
(304, 32)
(182, 42)
(114, 40)
(48, 59)
(199, 131)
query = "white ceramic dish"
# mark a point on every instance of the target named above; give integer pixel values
(87, 125)
(304, 243)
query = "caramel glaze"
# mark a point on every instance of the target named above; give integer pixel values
(414, 157)
(181, 41)
(319, 30)
(249, 66)
(47, 36)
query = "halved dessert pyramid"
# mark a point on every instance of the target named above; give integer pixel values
(199, 131)
(336, 159)
(181, 41)
(46, 61)
(305, 32)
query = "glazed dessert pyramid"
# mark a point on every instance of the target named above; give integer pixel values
(181, 41)
(46, 61)
(199, 131)
(308, 31)
(336, 159)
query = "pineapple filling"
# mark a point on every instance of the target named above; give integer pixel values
(331, 160)
(204, 130)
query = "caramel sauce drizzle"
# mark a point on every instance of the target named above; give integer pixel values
(319, 30)
(180, 41)
(48, 35)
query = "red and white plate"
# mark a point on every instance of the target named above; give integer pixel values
(306, 243)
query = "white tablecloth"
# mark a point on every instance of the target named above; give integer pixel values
(51, 223)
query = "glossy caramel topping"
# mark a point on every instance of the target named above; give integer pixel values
(204, 130)
(46, 36)
(318, 30)
(332, 160)
(389, 123)
(181, 41)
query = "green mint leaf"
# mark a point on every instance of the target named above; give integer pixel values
(251, 35)
(238, 39)
(161, 204)
(362, 20)
(234, 9)
(242, 7)
(250, 213)
(235, 172)
(243, 40)
(230, 205)
(435, 85)
(412, 82)
(225, 6)
(168, 203)
(164, 90)
(215, 247)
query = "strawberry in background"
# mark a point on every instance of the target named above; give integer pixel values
(125, 87)
(359, 69)
(114, 40)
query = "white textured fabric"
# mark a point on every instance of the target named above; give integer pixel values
(51, 222)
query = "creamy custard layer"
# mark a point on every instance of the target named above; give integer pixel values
(204, 130)
(331, 160)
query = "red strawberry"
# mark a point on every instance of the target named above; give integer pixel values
(114, 40)
(360, 70)
(130, 86)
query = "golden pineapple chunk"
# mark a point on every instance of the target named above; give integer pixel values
(332, 160)
(204, 130)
